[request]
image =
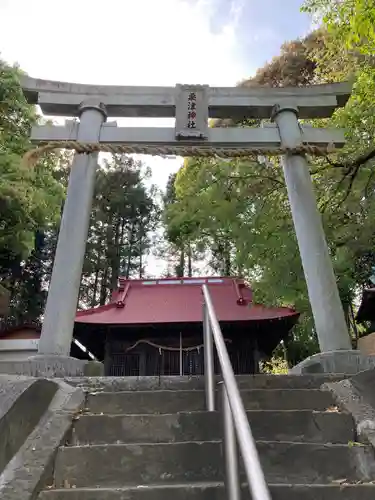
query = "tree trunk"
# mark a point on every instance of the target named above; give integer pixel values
(227, 264)
(140, 273)
(97, 271)
(122, 243)
(346, 307)
(115, 264)
(104, 287)
(130, 248)
(354, 324)
(95, 288)
(190, 264)
(180, 268)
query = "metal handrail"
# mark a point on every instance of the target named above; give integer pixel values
(235, 418)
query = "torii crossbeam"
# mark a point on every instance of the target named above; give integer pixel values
(192, 106)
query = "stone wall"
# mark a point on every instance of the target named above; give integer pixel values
(367, 344)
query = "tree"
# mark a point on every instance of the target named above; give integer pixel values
(351, 21)
(29, 197)
(178, 248)
(295, 66)
(246, 203)
(31, 203)
(209, 212)
(123, 217)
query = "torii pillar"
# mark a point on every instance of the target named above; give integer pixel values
(337, 354)
(321, 283)
(58, 324)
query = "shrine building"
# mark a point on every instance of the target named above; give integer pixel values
(155, 327)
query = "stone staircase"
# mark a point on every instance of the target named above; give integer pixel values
(151, 439)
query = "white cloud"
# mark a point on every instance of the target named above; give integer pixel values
(125, 42)
(121, 42)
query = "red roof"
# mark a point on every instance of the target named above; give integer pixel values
(179, 301)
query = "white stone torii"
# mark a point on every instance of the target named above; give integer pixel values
(192, 105)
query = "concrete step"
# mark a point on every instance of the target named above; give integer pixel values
(212, 491)
(147, 464)
(298, 426)
(144, 402)
(116, 384)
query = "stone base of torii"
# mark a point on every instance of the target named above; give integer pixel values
(192, 106)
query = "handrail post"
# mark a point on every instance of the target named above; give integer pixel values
(253, 468)
(232, 477)
(208, 361)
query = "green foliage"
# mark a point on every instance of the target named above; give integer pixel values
(30, 198)
(295, 65)
(177, 247)
(351, 21)
(16, 116)
(124, 215)
(348, 54)
(275, 366)
(238, 211)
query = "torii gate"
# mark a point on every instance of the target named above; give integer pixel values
(192, 106)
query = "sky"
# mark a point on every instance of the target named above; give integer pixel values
(147, 42)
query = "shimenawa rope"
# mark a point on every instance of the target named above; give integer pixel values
(167, 348)
(32, 156)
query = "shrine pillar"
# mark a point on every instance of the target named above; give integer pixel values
(322, 288)
(61, 307)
